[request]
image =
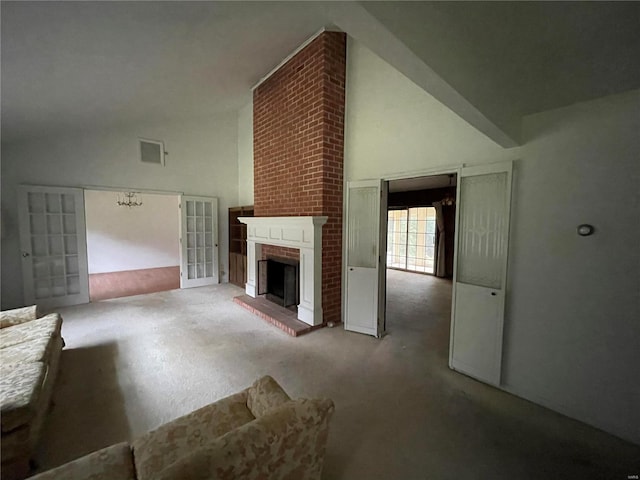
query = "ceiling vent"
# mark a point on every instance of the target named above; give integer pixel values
(152, 151)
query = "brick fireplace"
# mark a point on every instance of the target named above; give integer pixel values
(298, 136)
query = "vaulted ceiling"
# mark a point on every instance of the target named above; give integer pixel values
(69, 65)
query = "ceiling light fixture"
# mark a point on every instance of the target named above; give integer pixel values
(130, 200)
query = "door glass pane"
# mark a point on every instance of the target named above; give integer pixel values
(38, 224)
(53, 202)
(39, 246)
(72, 265)
(41, 288)
(55, 246)
(73, 285)
(56, 265)
(59, 286)
(70, 245)
(40, 268)
(36, 202)
(53, 225)
(482, 239)
(363, 229)
(69, 224)
(68, 204)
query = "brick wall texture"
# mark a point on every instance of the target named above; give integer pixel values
(298, 145)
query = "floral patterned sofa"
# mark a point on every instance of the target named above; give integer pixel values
(29, 356)
(258, 433)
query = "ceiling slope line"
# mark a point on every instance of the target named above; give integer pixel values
(364, 27)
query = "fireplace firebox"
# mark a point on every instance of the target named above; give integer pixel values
(278, 279)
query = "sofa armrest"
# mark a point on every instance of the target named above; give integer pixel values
(112, 463)
(288, 442)
(8, 318)
(264, 395)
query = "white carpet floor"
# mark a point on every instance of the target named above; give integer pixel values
(133, 363)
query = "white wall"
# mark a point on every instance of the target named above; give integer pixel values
(393, 126)
(123, 238)
(202, 160)
(245, 155)
(571, 327)
(573, 332)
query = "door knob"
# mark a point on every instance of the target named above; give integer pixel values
(25, 254)
(493, 294)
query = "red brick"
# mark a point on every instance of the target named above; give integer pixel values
(299, 150)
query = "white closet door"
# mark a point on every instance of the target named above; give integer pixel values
(365, 292)
(481, 271)
(54, 246)
(199, 241)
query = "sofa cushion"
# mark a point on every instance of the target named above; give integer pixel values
(44, 327)
(172, 441)
(264, 395)
(288, 443)
(111, 463)
(17, 316)
(20, 386)
(37, 350)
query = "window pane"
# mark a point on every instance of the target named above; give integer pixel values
(410, 239)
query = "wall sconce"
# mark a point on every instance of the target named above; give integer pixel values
(130, 200)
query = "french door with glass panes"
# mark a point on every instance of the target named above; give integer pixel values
(199, 241)
(53, 246)
(411, 234)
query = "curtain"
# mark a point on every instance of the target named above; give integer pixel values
(440, 270)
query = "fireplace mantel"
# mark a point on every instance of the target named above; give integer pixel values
(303, 233)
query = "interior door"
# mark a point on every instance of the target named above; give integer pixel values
(481, 271)
(53, 246)
(199, 241)
(366, 237)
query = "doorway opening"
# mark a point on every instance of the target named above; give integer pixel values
(133, 246)
(421, 215)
